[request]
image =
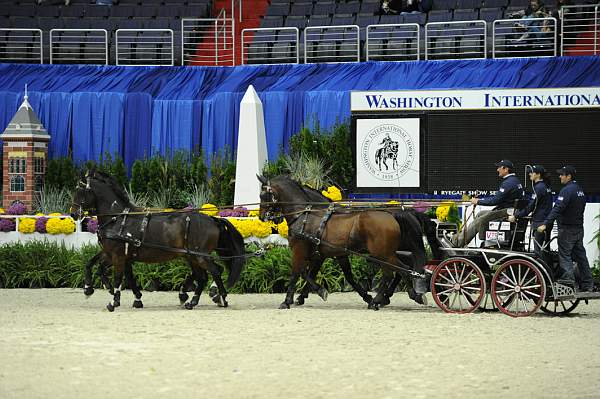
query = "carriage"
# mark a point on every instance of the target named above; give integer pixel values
(502, 273)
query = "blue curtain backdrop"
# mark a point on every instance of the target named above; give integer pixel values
(134, 111)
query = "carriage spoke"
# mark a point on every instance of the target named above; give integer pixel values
(531, 286)
(446, 278)
(445, 291)
(444, 285)
(508, 278)
(524, 276)
(464, 280)
(460, 279)
(453, 300)
(504, 291)
(530, 280)
(531, 293)
(504, 284)
(512, 273)
(524, 304)
(450, 274)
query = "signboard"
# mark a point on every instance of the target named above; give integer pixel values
(460, 100)
(387, 152)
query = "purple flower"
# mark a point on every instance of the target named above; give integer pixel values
(40, 224)
(92, 226)
(17, 208)
(7, 224)
(238, 212)
(421, 206)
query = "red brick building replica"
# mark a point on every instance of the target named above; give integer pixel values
(24, 153)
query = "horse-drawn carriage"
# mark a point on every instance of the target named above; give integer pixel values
(503, 269)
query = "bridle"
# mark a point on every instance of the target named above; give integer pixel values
(82, 205)
(268, 197)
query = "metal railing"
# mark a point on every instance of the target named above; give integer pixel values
(79, 46)
(270, 45)
(144, 47)
(332, 44)
(21, 45)
(579, 30)
(458, 39)
(207, 41)
(533, 37)
(393, 42)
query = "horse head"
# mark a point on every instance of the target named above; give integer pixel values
(97, 192)
(270, 209)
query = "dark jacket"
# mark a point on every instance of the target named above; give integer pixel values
(540, 203)
(569, 206)
(509, 191)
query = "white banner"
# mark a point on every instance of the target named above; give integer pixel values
(387, 152)
(419, 100)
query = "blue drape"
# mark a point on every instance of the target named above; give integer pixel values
(134, 111)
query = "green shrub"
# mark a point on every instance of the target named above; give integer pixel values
(61, 173)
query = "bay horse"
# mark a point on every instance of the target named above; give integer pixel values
(128, 234)
(316, 231)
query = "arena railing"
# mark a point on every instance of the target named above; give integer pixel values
(579, 30)
(79, 46)
(144, 47)
(21, 45)
(270, 45)
(340, 43)
(208, 41)
(393, 42)
(457, 39)
(534, 37)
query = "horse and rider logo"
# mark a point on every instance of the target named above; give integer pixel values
(387, 152)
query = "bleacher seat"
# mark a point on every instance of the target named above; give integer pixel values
(319, 20)
(324, 8)
(171, 11)
(145, 12)
(391, 19)
(468, 4)
(352, 7)
(94, 11)
(272, 21)
(20, 11)
(495, 3)
(301, 9)
(46, 24)
(295, 21)
(195, 11)
(122, 11)
(278, 10)
(342, 19)
(439, 16)
(465, 15)
(519, 3)
(47, 11)
(364, 20)
(415, 18)
(490, 14)
(370, 6)
(443, 4)
(74, 11)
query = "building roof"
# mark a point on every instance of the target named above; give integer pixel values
(25, 123)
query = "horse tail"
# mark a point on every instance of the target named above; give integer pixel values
(411, 231)
(231, 246)
(429, 227)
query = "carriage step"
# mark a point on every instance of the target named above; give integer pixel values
(587, 295)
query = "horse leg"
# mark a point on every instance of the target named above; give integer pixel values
(312, 272)
(102, 272)
(88, 281)
(137, 302)
(118, 275)
(310, 279)
(383, 288)
(183, 295)
(344, 263)
(299, 259)
(201, 278)
(391, 289)
(215, 272)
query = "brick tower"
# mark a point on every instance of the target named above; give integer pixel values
(25, 152)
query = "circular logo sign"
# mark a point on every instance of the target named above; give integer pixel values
(387, 152)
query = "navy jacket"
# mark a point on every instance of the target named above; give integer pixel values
(509, 191)
(569, 206)
(540, 203)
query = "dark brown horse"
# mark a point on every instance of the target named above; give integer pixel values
(127, 234)
(318, 231)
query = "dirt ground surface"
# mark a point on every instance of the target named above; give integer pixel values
(56, 344)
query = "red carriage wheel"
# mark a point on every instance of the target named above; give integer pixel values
(518, 288)
(560, 307)
(458, 286)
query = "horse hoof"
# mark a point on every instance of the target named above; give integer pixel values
(188, 306)
(216, 299)
(88, 292)
(110, 307)
(323, 294)
(138, 304)
(368, 299)
(116, 304)
(221, 302)
(373, 305)
(385, 302)
(299, 301)
(284, 306)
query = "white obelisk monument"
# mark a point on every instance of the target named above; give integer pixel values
(251, 150)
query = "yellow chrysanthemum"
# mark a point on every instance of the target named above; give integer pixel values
(26, 225)
(393, 202)
(54, 226)
(253, 213)
(333, 193)
(1, 210)
(67, 225)
(209, 209)
(282, 229)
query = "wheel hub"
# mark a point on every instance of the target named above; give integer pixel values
(517, 289)
(456, 287)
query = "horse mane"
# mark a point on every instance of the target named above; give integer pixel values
(312, 194)
(115, 186)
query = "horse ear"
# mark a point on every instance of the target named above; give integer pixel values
(262, 179)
